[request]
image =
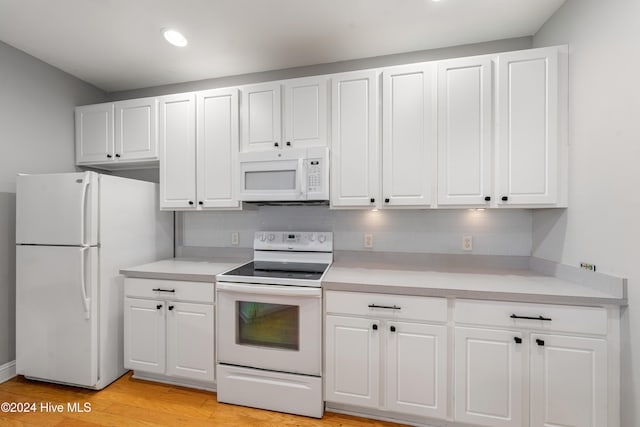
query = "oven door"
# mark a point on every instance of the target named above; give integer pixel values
(270, 327)
(272, 180)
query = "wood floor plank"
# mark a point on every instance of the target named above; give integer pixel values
(140, 403)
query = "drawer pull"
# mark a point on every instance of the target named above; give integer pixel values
(518, 340)
(389, 307)
(540, 342)
(375, 327)
(163, 290)
(546, 319)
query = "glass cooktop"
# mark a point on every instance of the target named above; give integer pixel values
(280, 270)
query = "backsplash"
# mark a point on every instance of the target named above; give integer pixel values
(495, 232)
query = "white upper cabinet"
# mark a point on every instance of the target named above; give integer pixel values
(94, 133)
(355, 170)
(178, 152)
(305, 114)
(136, 129)
(465, 131)
(261, 120)
(217, 148)
(409, 135)
(531, 106)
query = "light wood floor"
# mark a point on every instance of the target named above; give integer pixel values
(130, 402)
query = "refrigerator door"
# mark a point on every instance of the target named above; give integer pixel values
(57, 209)
(57, 313)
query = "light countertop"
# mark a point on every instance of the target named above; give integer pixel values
(189, 269)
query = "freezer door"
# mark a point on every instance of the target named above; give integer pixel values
(57, 313)
(57, 209)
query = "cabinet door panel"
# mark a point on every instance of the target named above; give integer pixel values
(144, 335)
(488, 377)
(306, 112)
(217, 148)
(190, 341)
(528, 136)
(94, 133)
(354, 140)
(464, 131)
(261, 121)
(136, 124)
(178, 152)
(352, 361)
(417, 369)
(409, 135)
(568, 382)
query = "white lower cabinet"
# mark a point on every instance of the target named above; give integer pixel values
(387, 360)
(166, 336)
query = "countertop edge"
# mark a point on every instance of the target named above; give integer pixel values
(209, 278)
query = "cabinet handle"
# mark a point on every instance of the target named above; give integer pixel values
(540, 342)
(515, 316)
(288, 143)
(389, 307)
(159, 306)
(386, 200)
(118, 155)
(275, 144)
(201, 203)
(392, 329)
(109, 156)
(505, 198)
(487, 198)
(171, 307)
(518, 340)
(191, 202)
(163, 290)
(375, 327)
(372, 200)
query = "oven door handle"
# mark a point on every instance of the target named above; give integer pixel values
(285, 291)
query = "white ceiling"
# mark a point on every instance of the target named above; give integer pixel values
(117, 44)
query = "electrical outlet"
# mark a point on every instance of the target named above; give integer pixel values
(467, 243)
(587, 266)
(368, 241)
(235, 238)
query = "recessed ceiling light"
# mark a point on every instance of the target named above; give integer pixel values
(174, 37)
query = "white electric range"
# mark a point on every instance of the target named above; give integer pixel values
(269, 330)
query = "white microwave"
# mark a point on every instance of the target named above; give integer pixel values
(295, 174)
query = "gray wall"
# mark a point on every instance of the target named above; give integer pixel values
(335, 67)
(601, 226)
(36, 136)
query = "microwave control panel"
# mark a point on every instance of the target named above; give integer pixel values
(314, 175)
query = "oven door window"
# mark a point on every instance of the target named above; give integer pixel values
(268, 325)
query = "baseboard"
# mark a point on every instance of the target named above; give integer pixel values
(7, 371)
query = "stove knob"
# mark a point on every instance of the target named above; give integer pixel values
(263, 237)
(322, 238)
(271, 237)
(312, 237)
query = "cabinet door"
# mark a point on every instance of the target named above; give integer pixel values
(488, 366)
(305, 108)
(261, 121)
(136, 123)
(94, 133)
(354, 140)
(464, 131)
(190, 341)
(568, 381)
(528, 136)
(352, 354)
(144, 335)
(416, 374)
(409, 135)
(178, 152)
(217, 148)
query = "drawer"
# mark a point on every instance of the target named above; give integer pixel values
(173, 290)
(564, 318)
(373, 305)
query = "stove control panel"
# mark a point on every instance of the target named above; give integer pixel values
(300, 241)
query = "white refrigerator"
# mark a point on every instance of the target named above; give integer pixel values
(74, 232)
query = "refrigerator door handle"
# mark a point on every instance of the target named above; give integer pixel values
(83, 213)
(83, 283)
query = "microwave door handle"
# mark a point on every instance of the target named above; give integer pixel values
(302, 173)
